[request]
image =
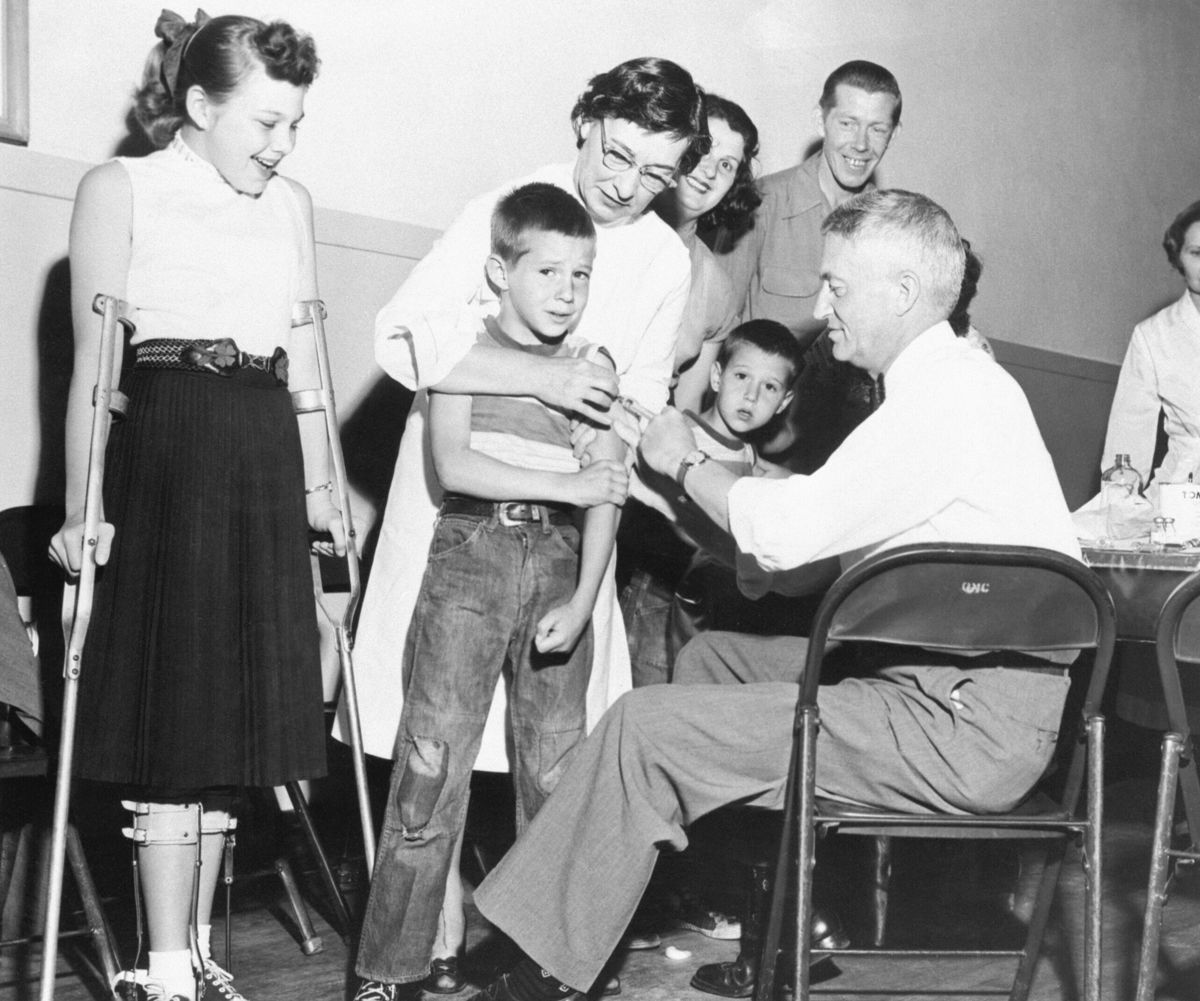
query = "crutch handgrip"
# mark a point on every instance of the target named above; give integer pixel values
(308, 401)
(311, 401)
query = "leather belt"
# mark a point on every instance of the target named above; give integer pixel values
(220, 357)
(508, 513)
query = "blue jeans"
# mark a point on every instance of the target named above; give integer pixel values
(485, 588)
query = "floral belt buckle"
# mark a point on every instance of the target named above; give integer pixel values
(219, 357)
(224, 357)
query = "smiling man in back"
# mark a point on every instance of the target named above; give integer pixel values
(775, 267)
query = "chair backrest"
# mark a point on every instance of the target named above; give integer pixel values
(968, 597)
(1178, 629)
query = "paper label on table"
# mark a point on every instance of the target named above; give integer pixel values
(1181, 501)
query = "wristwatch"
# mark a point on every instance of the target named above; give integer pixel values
(693, 458)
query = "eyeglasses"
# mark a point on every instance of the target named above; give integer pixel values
(617, 160)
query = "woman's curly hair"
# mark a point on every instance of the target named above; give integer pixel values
(656, 95)
(735, 212)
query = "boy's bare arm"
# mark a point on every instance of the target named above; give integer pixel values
(464, 471)
(599, 526)
(560, 628)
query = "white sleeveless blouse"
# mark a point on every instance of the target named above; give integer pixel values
(208, 262)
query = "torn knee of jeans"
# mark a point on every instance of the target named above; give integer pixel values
(421, 783)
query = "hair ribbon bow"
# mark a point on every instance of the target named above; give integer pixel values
(173, 30)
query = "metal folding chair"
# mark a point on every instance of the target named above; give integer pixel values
(24, 538)
(957, 598)
(1177, 639)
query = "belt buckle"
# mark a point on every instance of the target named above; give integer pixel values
(509, 513)
(221, 357)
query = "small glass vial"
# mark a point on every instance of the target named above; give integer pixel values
(1163, 533)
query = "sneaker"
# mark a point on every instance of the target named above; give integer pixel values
(218, 983)
(379, 990)
(712, 924)
(136, 985)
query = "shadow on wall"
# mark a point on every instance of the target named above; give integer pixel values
(370, 440)
(55, 360)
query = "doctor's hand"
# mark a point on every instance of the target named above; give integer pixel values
(666, 441)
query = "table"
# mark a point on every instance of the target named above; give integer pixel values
(1140, 582)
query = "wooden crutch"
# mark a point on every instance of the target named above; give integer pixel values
(309, 401)
(77, 609)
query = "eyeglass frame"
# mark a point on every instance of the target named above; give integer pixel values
(624, 164)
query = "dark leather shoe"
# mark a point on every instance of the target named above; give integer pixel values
(736, 979)
(727, 980)
(444, 977)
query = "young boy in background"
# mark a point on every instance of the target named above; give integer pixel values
(510, 579)
(664, 536)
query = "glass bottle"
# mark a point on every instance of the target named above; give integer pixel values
(1119, 482)
(1121, 474)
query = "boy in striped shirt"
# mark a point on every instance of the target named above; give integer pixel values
(510, 578)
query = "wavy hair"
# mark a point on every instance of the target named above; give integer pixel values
(656, 95)
(916, 219)
(1174, 236)
(216, 55)
(735, 212)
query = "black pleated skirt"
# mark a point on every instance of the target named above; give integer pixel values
(201, 665)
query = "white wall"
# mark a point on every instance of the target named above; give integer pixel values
(1062, 136)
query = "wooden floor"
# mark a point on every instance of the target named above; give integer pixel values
(935, 891)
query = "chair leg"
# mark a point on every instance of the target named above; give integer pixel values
(806, 836)
(1093, 861)
(1160, 865)
(1038, 919)
(310, 941)
(764, 987)
(10, 844)
(296, 794)
(92, 909)
(882, 880)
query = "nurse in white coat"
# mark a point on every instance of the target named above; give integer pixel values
(1161, 372)
(636, 126)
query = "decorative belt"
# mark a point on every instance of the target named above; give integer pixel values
(508, 513)
(220, 357)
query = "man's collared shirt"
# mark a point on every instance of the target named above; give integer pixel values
(775, 268)
(952, 455)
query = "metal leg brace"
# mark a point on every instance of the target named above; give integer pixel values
(169, 825)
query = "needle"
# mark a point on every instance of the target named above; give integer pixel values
(635, 408)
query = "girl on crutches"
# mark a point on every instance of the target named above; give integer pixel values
(201, 672)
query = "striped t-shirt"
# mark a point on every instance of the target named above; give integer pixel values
(523, 431)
